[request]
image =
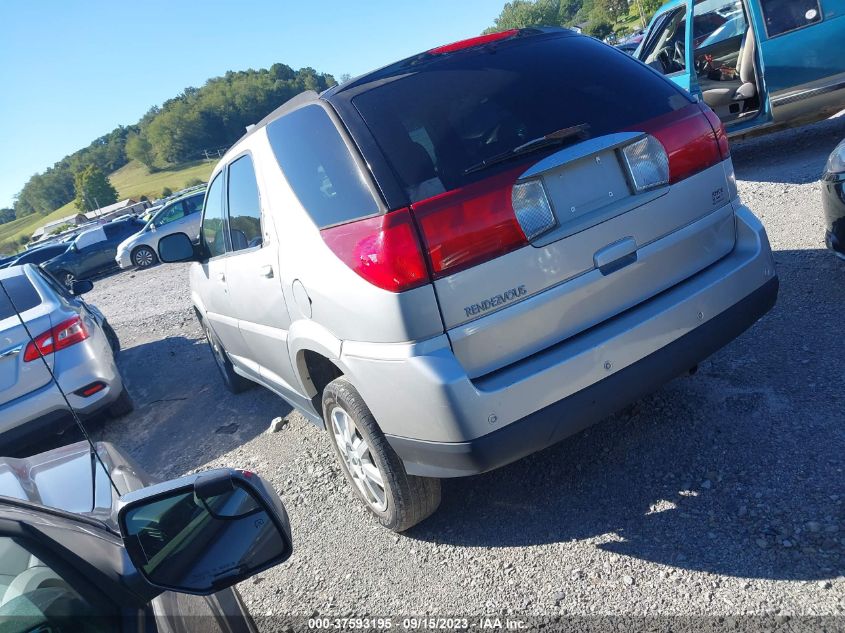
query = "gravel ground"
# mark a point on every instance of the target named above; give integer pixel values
(720, 494)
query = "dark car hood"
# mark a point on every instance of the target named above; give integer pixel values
(70, 478)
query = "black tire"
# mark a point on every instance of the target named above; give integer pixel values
(144, 257)
(111, 336)
(409, 499)
(235, 383)
(122, 406)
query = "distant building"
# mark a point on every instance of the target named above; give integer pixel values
(43, 231)
(118, 208)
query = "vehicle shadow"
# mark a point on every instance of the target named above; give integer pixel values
(737, 470)
(791, 156)
(184, 417)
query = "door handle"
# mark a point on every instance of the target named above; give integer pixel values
(266, 271)
(221, 277)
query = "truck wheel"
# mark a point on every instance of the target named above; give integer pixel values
(122, 406)
(235, 383)
(398, 500)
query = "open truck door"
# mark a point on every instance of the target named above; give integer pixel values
(717, 59)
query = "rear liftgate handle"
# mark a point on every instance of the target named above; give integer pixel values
(616, 256)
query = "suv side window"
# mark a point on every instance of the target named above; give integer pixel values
(244, 205)
(319, 167)
(782, 16)
(213, 230)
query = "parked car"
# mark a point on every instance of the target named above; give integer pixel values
(467, 256)
(748, 61)
(833, 200)
(77, 342)
(181, 215)
(92, 251)
(78, 555)
(628, 47)
(36, 255)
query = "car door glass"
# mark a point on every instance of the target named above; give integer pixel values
(171, 214)
(782, 16)
(32, 589)
(667, 45)
(213, 230)
(244, 205)
(719, 30)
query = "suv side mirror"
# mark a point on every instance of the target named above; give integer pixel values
(177, 247)
(204, 532)
(81, 286)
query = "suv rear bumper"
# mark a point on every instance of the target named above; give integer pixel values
(443, 424)
(566, 417)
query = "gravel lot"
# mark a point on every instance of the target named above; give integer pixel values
(721, 494)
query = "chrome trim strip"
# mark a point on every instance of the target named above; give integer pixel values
(807, 94)
(12, 351)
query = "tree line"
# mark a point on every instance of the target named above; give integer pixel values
(212, 116)
(598, 17)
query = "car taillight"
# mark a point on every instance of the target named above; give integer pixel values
(384, 250)
(471, 224)
(718, 130)
(690, 142)
(63, 335)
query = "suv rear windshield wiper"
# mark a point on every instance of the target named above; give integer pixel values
(559, 137)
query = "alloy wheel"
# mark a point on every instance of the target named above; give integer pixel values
(143, 257)
(358, 459)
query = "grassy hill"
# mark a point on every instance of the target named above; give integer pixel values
(133, 180)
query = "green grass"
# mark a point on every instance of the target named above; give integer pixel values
(133, 180)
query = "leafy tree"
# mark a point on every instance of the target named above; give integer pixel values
(93, 186)
(140, 149)
(599, 29)
(6, 215)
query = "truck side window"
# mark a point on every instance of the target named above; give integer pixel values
(782, 16)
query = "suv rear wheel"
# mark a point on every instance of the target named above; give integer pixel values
(377, 475)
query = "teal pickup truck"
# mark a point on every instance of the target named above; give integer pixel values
(756, 63)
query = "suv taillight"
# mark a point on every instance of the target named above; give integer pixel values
(383, 249)
(64, 335)
(691, 143)
(465, 226)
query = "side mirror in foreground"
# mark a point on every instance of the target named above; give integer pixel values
(205, 532)
(81, 286)
(177, 247)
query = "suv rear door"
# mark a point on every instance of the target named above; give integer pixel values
(442, 125)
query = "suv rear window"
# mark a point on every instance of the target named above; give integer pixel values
(440, 117)
(23, 294)
(319, 168)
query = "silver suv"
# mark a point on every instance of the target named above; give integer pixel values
(471, 254)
